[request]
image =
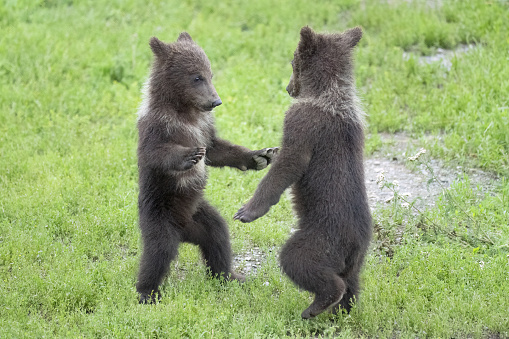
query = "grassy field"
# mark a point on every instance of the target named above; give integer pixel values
(70, 80)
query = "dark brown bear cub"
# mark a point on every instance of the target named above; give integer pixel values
(322, 159)
(177, 139)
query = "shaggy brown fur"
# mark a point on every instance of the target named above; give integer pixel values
(177, 139)
(322, 158)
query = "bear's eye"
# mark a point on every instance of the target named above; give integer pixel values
(198, 78)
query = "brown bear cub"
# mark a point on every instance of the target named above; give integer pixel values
(177, 139)
(322, 158)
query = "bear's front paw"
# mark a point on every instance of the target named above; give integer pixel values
(247, 214)
(194, 157)
(243, 215)
(264, 157)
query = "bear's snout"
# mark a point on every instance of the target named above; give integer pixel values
(217, 103)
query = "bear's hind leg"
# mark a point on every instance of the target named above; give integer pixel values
(210, 233)
(158, 252)
(330, 289)
(351, 293)
(302, 261)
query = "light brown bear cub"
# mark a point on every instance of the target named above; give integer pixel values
(322, 159)
(177, 139)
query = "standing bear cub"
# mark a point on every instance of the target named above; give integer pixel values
(177, 139)
(322, 158)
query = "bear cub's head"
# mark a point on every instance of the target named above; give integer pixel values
(181, 75)
(322, 61)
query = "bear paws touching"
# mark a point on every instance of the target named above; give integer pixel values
(263, 157)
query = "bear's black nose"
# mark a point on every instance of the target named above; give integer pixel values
(217, 103)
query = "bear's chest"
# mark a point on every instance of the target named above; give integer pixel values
(197, 133)
(191, 134)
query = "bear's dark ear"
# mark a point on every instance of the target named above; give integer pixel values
(184, 36)
(353, 36)
(158, 47)
(307, 43)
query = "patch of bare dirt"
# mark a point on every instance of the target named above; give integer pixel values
(442, 56)
(250, 261)
(424, 183)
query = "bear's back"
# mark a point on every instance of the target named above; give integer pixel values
(333, 187)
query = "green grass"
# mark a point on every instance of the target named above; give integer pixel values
(70, 80)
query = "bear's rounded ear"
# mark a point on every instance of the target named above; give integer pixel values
(353, 36)
(307, 43)
(184, 36)
(158, 47)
